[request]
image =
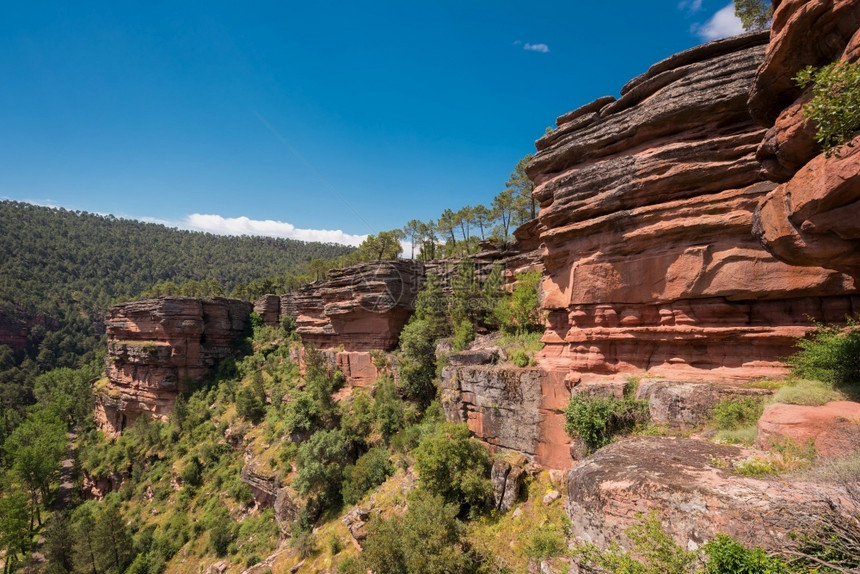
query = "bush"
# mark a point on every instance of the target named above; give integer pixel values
(369, 471)
(728, 556)
(520, 311)
(835, 103)
(831, 355)
(737, 413)
(454, 466)
(545, 542)
(464, 333)
(427, 539)
(596, 420)
(520, 358)
(418, 362)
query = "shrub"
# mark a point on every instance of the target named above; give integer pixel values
(737, 413)
(427, 539)
(544, 542)
(222, 535)
(520, 311)
(304, 543)
(453, 465)
(831, 355)
(321, 460)
(418, 366)
(520, 358)
(464, 333)
(596, 420)
(835, 103)
(728, 556)
(659, 553)
(369, 471)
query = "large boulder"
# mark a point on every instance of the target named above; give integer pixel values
(690, 485)
(833, 428)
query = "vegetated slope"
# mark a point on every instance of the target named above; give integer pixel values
(54, 259)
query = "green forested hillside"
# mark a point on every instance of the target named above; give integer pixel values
(52, 260)
(65, 268)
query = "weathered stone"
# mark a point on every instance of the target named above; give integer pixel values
(268, 307)
(504, 408)
(498, 475)
(513, 482)
(262, 481)
(550, 497)
(803, 33)
(814, 218)
(690, 485)
(811, 219)
(686, 404)
(356, 523)
(286, 510)
(157, 346)
(833, 428)
(474, 357)
(361, 307)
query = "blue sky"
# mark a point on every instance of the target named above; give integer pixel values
(290, 118)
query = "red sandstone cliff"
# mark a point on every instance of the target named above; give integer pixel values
(155, 346)
(647, 206)
(811, 219)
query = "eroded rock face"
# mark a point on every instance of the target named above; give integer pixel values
(510, 409)
(362, 307)
(811, 218)
(833, 428)
(156, 346)
(690, 485)
(646, 215)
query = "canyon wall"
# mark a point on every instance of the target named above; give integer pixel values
(647, 204)
(813, 217)
(157, 347)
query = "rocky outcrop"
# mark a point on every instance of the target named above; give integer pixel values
(834, 428)
(361, 307)
(156, 347)
(15, 327)
(510, 409)
(687, 404)
(690, 485)
(507, 481)
(811, 218)
(646, 208)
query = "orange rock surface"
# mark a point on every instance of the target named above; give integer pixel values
(646, 215)
(156, 346)
(812, 218)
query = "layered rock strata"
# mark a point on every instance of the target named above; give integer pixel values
(156, 347)
(362, 307)
(811, 219)
(647, 203)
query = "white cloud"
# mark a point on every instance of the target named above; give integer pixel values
(269, 228)
(542, 48)
(690, 6)
(721, 25)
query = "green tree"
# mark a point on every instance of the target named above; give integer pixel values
(522, 187)
(321, 461)
(112, 543)
(427, 539)
(520, 312)
(754, 14)
(36, 449)
(454, 466)
(15, 534)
